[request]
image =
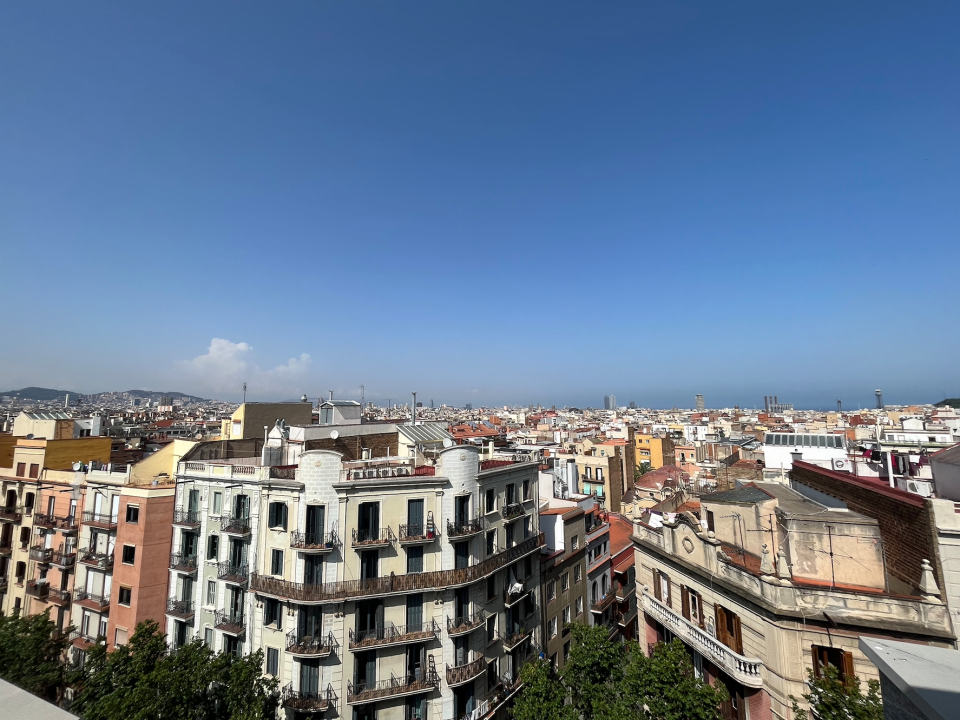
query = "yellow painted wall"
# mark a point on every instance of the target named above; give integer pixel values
(61, 454)
(163, 461)
(7, 443)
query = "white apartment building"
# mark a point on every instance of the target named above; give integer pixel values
(376, 587)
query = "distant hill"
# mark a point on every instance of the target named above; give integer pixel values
(949, 402)
(40, 394)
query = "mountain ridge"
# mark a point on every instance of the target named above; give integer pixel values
(47, 394)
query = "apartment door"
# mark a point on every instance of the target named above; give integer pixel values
(415, 517)
(97, 503)
(114, 508)
(365, 669)
(186, 588)
(461, 555)
(241, 506)
(238, 553)
(369, 564)
(460, 650)
(310, 621)
(416, 661)
(235, 600)
(368, 520)
(193, 501)
(313, 570)
(369, 618)
(414, 612)
(416, 708)
(461, 509)
(310, 676)
(463, 700)
(314, 525)
(189, 543)
(461, 598)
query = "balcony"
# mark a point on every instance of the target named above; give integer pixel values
(514, 638)
(392, 584)
(625, 618)
(233, 525)
(417, 534)
(99, 560)
(465, 625)
(63, 559)
(186, 518)
(604, 602)
(742, 669)
(83, 640)
(360, 693)
(394, 635)
(314, 542)
(463, 528)
(511, 511)
(11, 513)
(4, 584)
(308, 702)
(181, 609)
(90, 600)
(105, 521)
(41, 554)
(42, 520)
(6, 547)
(512, 594)
(462, 674)
(622, 592)
(182, 562)
(231, 623)
(373, 537)
(237, 574)
(310, 645)
(58, 597)
(37, 589)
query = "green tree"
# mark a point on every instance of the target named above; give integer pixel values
(604, 680)
(830, 698)
(31, 649)
(145, 679)
(640, 470)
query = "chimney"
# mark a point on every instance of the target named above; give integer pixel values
(331, 396)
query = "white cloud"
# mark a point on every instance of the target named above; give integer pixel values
(227, 365)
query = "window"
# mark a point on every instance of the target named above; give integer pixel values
(34, 470)
(578, 573)
(551, 591)
(491, 542)
(271, 612)
(491, 628)
(276, 562)
(125, 596)
(133, 514)
(661, 587)
(566, 615)
(579, 606)
(728, 629)
(824, 657)
(120, 637)
(599, 476)
(575, 542)
(273, 661)
(208, 637)
(415, 559)
(213, 547)
(21, 469)
(491, 503)
(553, 627)
(710, 525)
(566, 650)
(217, 503)
(491, 587)
(526, 489)
(586, 472)
(277, 515)
(129, 554)
(565, 582)
(692, 605)
(211, 592)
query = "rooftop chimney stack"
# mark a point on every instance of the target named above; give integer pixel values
(331, 395)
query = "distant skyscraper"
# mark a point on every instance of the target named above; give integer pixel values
(166, 400)
(879, 399)
(609, 402)
(633, 405)
(469, 407)
(700, 406)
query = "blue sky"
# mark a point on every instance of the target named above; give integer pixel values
(483, 202)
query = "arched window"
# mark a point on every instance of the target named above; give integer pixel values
(596, 595)
(603, 582)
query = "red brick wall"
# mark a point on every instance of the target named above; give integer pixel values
(759, 702)
(906, 520)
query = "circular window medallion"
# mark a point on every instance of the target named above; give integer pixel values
(318, 463)
(687, 544)
(463, 456)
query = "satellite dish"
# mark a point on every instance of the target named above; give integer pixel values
(29, 436)
(77, 466)
(334, 435)
(448, 443)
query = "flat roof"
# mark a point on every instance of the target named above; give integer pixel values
(925, 674)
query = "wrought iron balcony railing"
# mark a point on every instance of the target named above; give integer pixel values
(464, 527)
(58, 597)
(358, 693)
(314, 542)
(465, 624)
(63, 559)
(101, 520)
(92, 600)
(37, 589)
(183, 609)
(373, 536)
(229, 622)
(101, 560)
(238, 574)
(513, 638)
(312, 645)
(461, 674)
(308, 701)
(11, 513)
(41, 554)
(394, 635)
(189, 518)
(423, 533)
(235, 525)
(183, 562)
(512, 510)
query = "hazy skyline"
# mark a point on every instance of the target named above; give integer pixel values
(486, 203)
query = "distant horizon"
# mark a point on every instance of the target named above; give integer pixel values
(400, 400)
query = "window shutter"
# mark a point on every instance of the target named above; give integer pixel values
(721, 618)
(700, 616)
(848, 672)
(272, 515)
(669, 600)
(283, 516)
(656, 585)
(814, 651)
(685, 601)
(738, 635)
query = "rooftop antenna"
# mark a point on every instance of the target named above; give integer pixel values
(361, 396)
(244, 392)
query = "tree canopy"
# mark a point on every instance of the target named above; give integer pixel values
(31, 651)
(146, 679)
(604, 680)
(831, 698)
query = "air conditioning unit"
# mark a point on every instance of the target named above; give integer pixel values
(371, 472)
(358, 474)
